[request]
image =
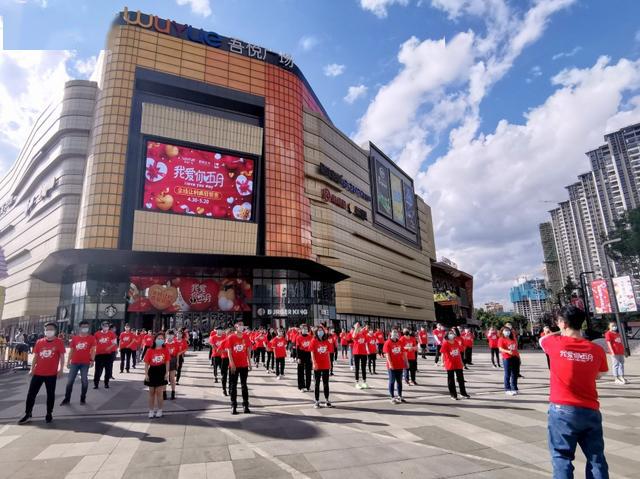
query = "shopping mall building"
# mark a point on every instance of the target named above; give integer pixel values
(201, 181)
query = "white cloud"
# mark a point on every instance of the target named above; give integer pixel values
(199, 7)
(486, 191)
(355, 92)
(308, 42)
(534, 73)
(568, 54)
(86, 67)
(334, 69)
(379, 7)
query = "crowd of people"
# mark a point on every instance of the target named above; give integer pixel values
(575, 363)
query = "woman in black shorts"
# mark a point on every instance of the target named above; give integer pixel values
(156, 374)
(174, 348)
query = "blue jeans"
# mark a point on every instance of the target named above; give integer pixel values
(395, 377)
(83, 369)
(569, 426)
(511, 373)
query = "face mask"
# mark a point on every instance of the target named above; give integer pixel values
(159, 342)
(321, 334)
(305, 331)
(127, 328)
(84, 330)
(451, 336)
(105, 328)
(394, 336)
(280, 333)
(49, 333)
(170, 337)
(506, 333)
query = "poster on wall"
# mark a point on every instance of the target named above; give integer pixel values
(397, 199)
(196, 182)
(410, 207)
(182, 294)
(624, 294)
(601, 299)
(383, 193)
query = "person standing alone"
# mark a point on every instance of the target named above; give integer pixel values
(574, 411)
(82, 352)
(616, 349)
(127, 345)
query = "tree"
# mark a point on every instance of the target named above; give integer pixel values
(626, 252)
(569, 287)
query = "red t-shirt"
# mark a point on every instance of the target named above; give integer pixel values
(438, 335)
(240, 348)
(359, 342)
(511, 345)
(575, 365)
(344, 338)
(409, 342)
(48, 354)
(452, 355)
(104, 342)
(127, 340)
(320, 351)
(261, 340)
(422, 335)
(616, 341)
(395, 354)
(468, 339)
(147, 340)
(173, 348)
(492, 338)
(81, 346)
(279, 346)
(373, 344)
(184, 345)
(303, 343)
(157, 356)
(217, 349)
(380, 337)
(333, 337)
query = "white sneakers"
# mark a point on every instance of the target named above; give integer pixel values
(362, 385)
(151, 414)
(156, 413)
(511, 393)
(316, 405)
(159, 413)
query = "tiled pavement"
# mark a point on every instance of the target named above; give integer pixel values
(489, 436)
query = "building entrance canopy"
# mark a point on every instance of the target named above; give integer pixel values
(75, 265)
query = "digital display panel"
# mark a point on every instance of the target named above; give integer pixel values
(383, 196)
(396, 199)
(192, 181)
(410, 208)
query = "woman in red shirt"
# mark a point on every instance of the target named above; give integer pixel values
(615, 347)
(396, 358)
(492, 339)
(344, 344)
(360, 353)
(510, 359)
(452, 353)
(320, 356)
(156, 374)
(372, 349)
(279, 347)
(174, 347)
(410, 345)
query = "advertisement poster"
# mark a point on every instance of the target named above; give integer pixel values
(410, 207)
(197, 182)
(624, 294)
(601, 296)
(382, 189)
(397, 199)
(172, 295)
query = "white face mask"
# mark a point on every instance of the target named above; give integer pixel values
(321, 334)
(451, 336)
(127, 328)
(84, 330)
(49, 333)
(506, 333)
(614, 328)
(170, 337)
(105, 328)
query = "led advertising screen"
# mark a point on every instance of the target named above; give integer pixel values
(410, 207)
(383, 196)
(396, 199)
(624, 294)
(197, 182)
(601, 296)
(181, 294)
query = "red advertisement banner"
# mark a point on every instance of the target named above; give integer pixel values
(172, 295)
(601, 298)
(197, 182)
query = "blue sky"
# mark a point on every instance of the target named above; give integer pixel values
(483, 101)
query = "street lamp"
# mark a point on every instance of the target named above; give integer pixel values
(614, 303)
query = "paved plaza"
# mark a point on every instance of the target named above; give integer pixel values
(364, 436)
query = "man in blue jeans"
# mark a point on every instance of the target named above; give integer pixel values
(82, 352)
(574, 410)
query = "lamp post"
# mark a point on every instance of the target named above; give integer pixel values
(614, 303)
(585, 298)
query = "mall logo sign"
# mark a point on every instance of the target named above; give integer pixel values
(338, 178)
(342, 203)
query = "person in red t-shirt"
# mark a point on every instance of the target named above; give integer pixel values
(238, 346)
(174, 348)
(260, 342)
(146, 342)
(344, 344)
(410, 345)
(423, 339)
(574, 412)
(396, 358)
(615, 348)
(333, 339)
(127, 345)
(468, 338)
(279, 347)
(156, 374)
(46, 368)
(82, 351)
(508, 346)
(372, 349)
(546, 330)
(380, 340)
(320, 355)
(360, 353)
(452, 353)
(183, 339)
(106, 344)
(216, 338)
(438, 338)
(492, 339)
(303, 355)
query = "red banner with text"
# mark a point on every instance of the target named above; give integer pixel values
(601, 298)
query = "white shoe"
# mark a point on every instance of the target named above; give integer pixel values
(316, 405)
(151, 414)
(365, 385)
(625, 380)
(328, 404)
(617, 380)
(352, 368)
(509, 393)
(278, 378)
(159, 413)
(394, 401)
(358, 385)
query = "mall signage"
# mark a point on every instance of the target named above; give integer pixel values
(340, 202)
(339, 179)
(198, 35)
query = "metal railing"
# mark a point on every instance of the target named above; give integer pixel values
(14, 355)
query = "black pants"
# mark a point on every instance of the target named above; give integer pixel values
(468, 354)
(304, 369)
(217, 363)
(279, 366)
(423, 349)
(333, 357)
(179, 371)
(259, 355)
(410, 374)
(452, 383)
(34, 388)
(134, 357)
(360, 361)
(495, 357)
(372, 363)
(243, 373)
(270, 360)
(548, 361)
(224, 372)
(437, 354)
(324, 374)
(104, 363)
(125, 359)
